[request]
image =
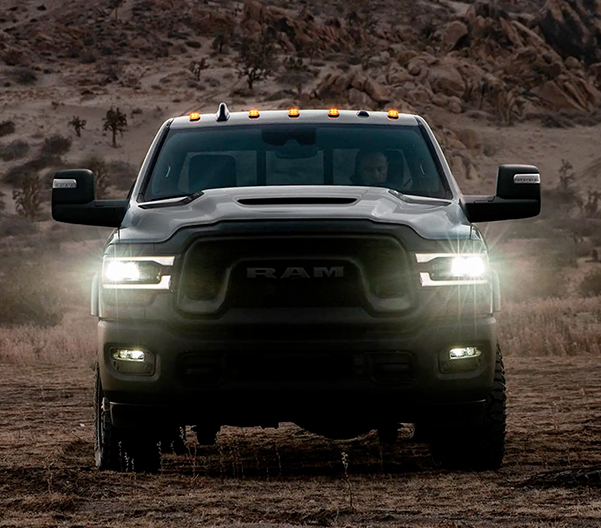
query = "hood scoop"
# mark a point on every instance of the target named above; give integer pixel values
(298, 200)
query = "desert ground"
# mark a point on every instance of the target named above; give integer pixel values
(287, 477)
(499, 81)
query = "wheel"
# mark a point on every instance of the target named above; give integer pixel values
(107, 443)
(477, 447)
(118, 449)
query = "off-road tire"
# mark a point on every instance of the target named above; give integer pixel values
(477, 447)
(119, 450)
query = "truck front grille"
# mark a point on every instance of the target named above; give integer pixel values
(295, 271)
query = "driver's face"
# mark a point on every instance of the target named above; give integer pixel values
(373, 168)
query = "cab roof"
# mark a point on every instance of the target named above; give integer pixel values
(255, 117)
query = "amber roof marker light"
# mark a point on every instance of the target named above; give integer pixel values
(253, 113)
(333, 112)
(194, 116)
(293, 112)
(393, 113)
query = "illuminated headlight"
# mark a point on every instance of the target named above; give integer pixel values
(137, 272)
(472, 267)
(132, 360)
(464, 353)
(451, 269)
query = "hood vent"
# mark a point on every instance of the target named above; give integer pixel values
(299, 200)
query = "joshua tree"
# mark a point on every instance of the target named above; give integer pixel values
(197, 66)
(78, 124)
(256, 58)
(566, 175)
(219, 42)
(115, 5)
(115, 121)
(101, 174)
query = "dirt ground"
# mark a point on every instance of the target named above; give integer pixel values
(287, 477)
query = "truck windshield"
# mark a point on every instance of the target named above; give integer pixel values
(396, 157)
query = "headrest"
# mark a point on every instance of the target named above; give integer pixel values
(211, 171)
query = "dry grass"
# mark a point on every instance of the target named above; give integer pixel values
(74, 341)
(552, 327)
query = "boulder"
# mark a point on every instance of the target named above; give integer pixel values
(554, 97)
(572, 63)
(440, 99)
(361, 100)
(454, 105)
(253, 10)
(376, 91)
(445, 78)
(470, 138)
(595, 71)
(397, 75)
(452, 33)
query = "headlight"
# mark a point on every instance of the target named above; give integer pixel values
(152, 273)
(441, 269)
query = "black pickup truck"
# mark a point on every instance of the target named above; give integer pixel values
(320, 267)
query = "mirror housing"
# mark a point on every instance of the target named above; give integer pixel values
(73, 201)
(518, 196)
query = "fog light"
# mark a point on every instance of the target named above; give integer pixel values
(464, 353)
(129, 355)
(132, 360)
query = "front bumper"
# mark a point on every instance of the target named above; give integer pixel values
(262, 375)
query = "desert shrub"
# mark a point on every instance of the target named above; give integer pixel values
(7, 127)
(14, 150)
(15, 174)
(28, 197)
(15, 225)
(24, 76)
(590, 286)
(256, 58)
(56, 145)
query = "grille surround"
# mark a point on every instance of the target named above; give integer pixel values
(378, 274)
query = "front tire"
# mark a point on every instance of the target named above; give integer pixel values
(478, 447)
(119, 450)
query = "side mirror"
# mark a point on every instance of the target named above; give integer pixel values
(518, 196)
(73, 201)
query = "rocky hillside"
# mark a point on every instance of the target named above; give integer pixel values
(494, 61)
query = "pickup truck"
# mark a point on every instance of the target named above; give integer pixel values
(319, 267)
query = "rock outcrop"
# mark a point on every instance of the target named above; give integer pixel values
(573, 28)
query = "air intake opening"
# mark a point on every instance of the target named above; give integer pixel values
(317, 200)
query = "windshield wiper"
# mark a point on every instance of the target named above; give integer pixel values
(418, 198)
(172, 201)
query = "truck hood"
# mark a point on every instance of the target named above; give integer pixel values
(431, 218)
